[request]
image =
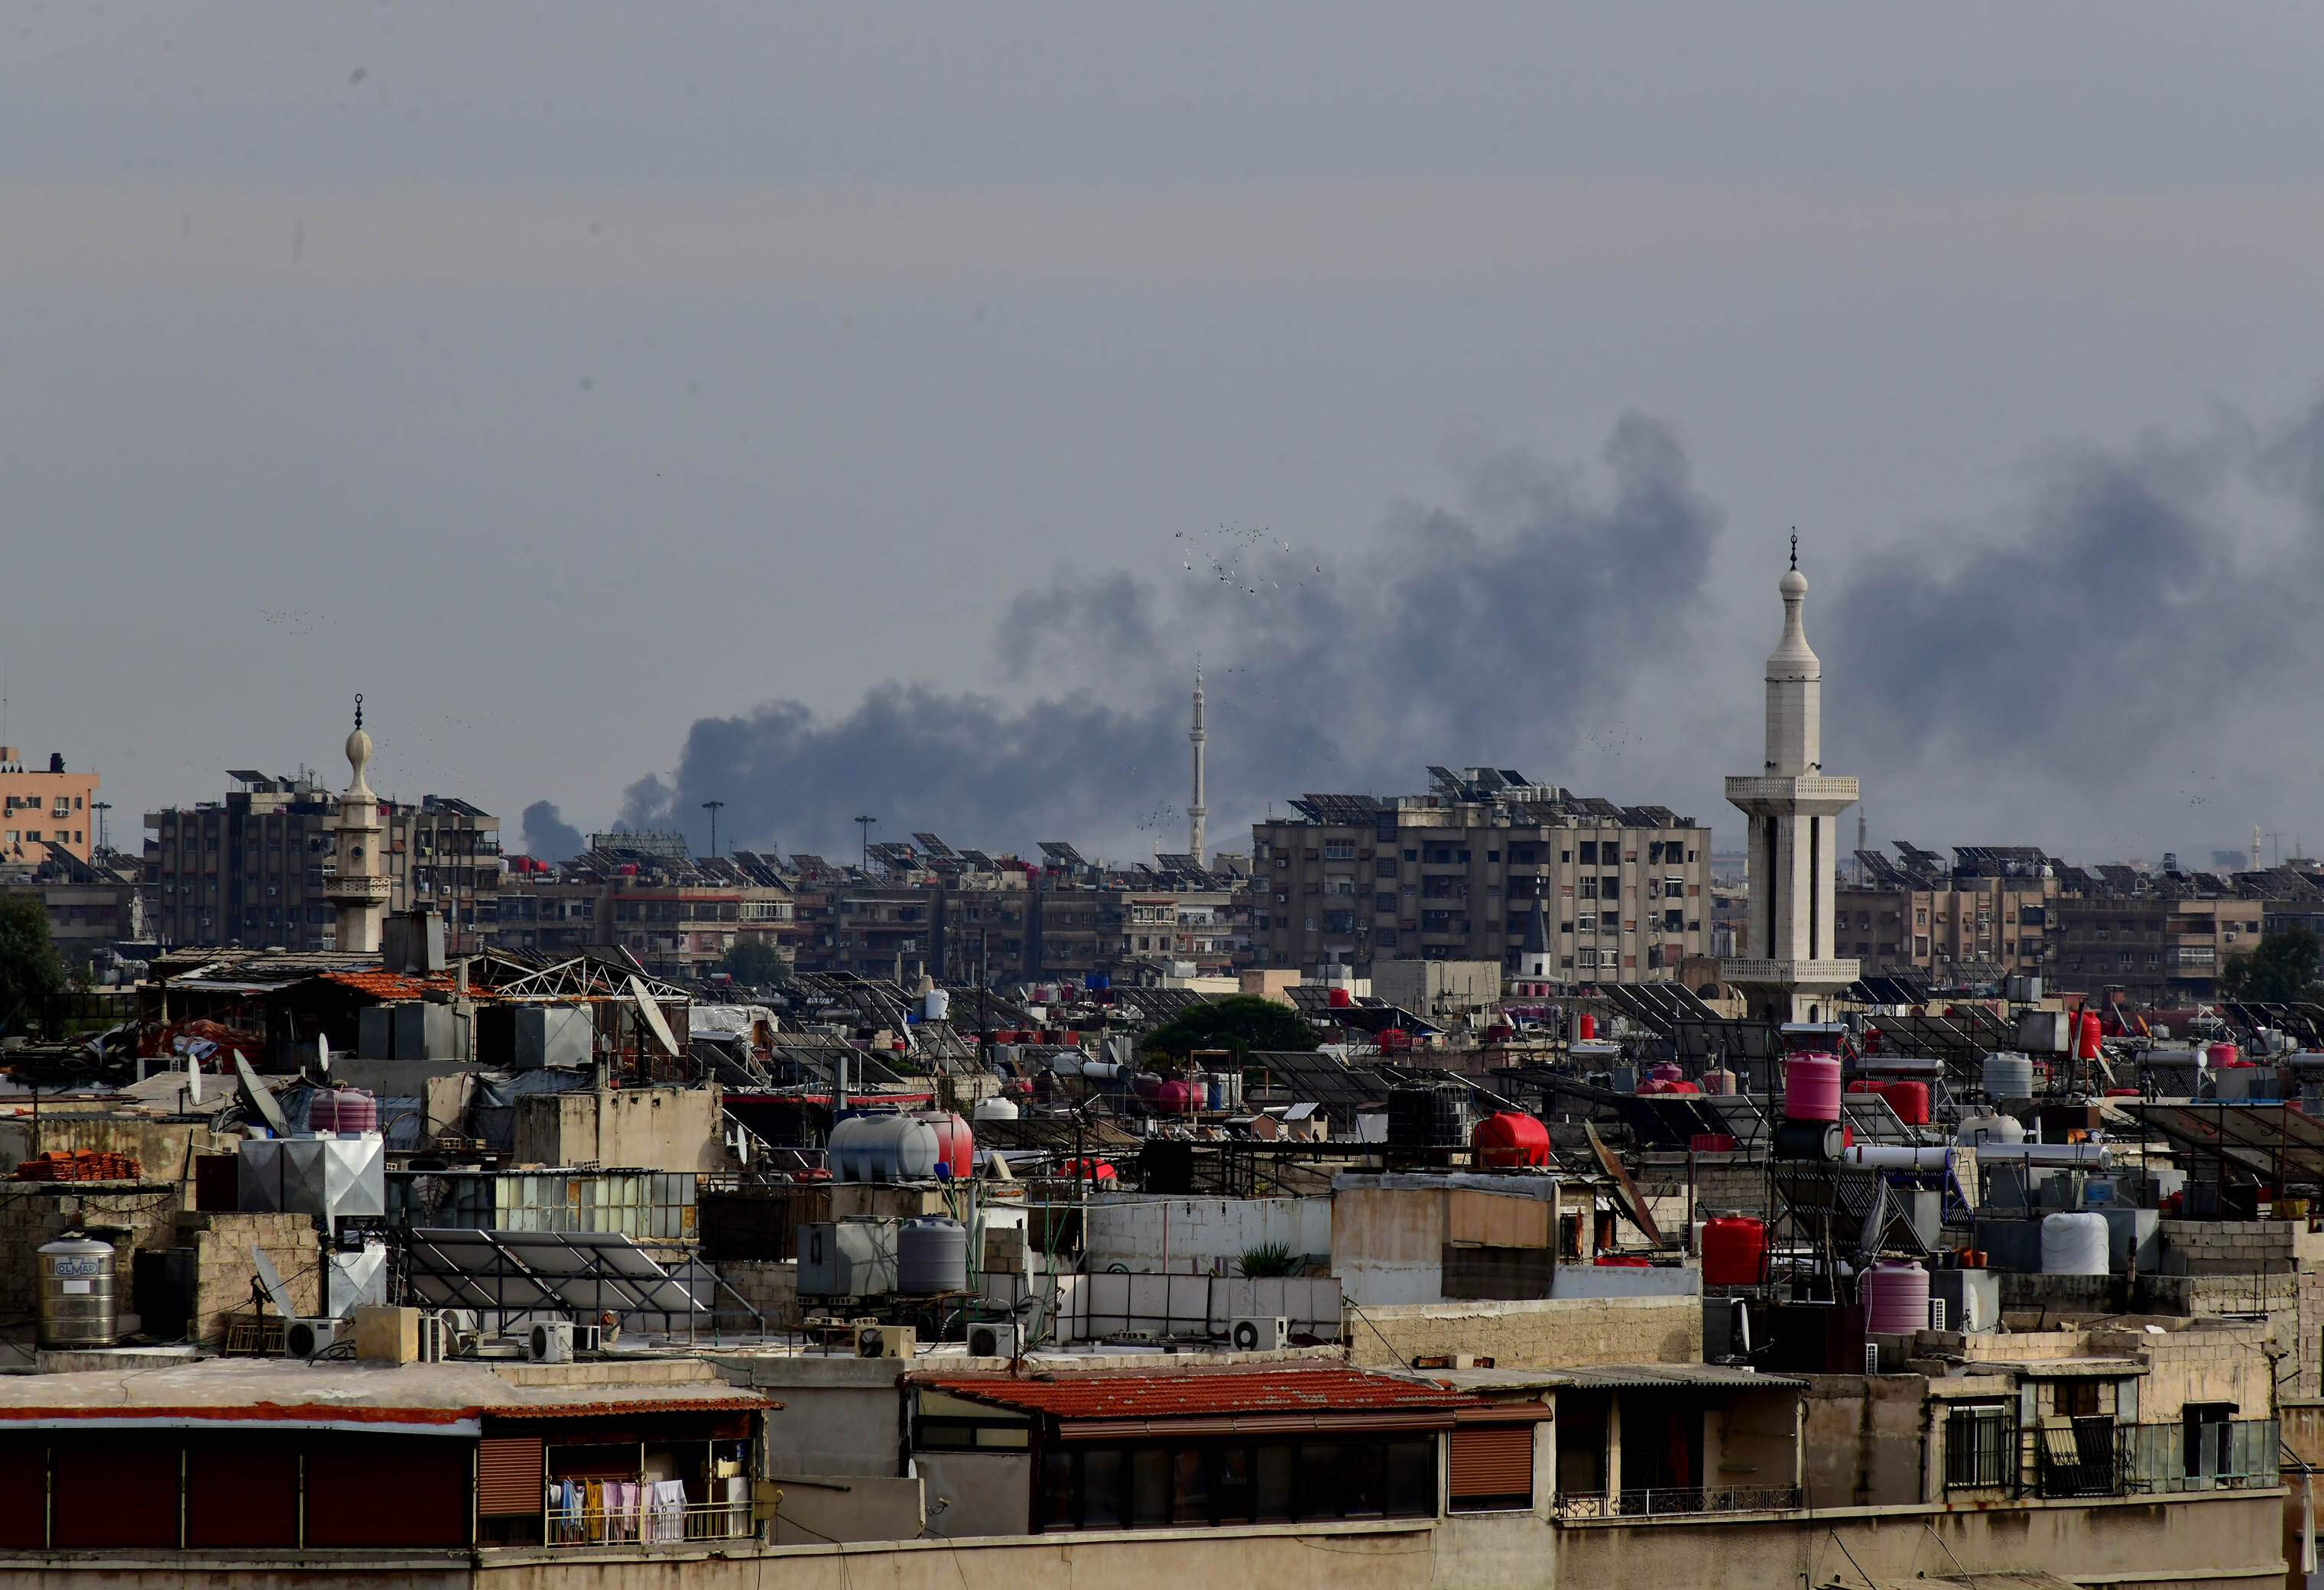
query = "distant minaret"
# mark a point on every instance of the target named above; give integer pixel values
(359, 890)
(2256, 836)
(1793, 806)
(1196, 810)
(1533, 961)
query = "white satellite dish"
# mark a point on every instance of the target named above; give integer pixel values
(193, 1079)
(322, 1054)
(270, 1280)
(652, 1012)
(257, 1098)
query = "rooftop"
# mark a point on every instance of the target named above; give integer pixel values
(1194, 1394)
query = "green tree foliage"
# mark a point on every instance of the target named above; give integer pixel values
(753, 962)
(1239, 1024)
(30, 972)
(2282, 967)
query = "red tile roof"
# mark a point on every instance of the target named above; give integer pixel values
(389, 985)
(1204, 1393)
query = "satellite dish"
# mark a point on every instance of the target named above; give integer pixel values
(193, 1079)
(256, 1100)
(322, 1054)
(652, 1012)
(270, 1280)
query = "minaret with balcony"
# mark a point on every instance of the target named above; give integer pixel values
(358, 888)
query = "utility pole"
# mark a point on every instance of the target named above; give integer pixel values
(865, 823)
(711, 807)
(100, 808)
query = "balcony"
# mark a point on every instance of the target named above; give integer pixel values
(1584, 1506)
(2095, 1456)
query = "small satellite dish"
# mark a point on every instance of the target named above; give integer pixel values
(256, 1100)
(270, 1280)
(322, 1054)
(652, 1012)
(193, 1079)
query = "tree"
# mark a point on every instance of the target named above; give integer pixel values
(753, 962)
(2282, 967)
(1239, 1024)
(30, 975)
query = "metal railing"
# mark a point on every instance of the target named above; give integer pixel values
(649, 1525)
(1676, 1502)
(2097, 1457)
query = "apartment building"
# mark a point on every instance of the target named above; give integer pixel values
(2159, 948)
(679, 914)
(1989, 913)
(39, 808)
(253, 868)
(1449, 876)
(91, 906)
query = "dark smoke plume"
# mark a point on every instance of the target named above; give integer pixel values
(547, 837)
(1493, 629)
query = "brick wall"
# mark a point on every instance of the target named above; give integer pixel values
(1544, 1334)
(2229, 1247)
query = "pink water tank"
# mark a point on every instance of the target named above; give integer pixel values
(956, 1144)
(1811, 1088)
(2226, 1054)
(1667, 1072)
(343, 1109)
(1895, 1298)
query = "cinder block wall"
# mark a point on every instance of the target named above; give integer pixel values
(36, 1212)
(223, 1244)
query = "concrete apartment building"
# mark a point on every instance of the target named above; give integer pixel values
(2159, 948)
(254, 867)
(679, 913)
(1989, 913)
(41, 807)
(91, 906)
(1449, 876)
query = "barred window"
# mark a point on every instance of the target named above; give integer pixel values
(1976, 1447)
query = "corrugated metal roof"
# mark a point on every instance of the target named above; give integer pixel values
(1205, 1393)
(1619, 1377)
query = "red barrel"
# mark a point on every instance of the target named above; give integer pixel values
(1734, 1251)
(1339, 999)
(1811, 1088)
(1588, 1027)
(1507, 1141)
(2092, 1030)
(1910, 1100)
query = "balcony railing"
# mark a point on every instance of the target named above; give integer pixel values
(653, 1526)
(1573, 1505)
(2098, 1457)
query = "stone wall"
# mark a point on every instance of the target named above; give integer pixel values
(2229, 1247)
(34, 1212)
(1862, 1442)
(768, 1285)
(1550, 1333)
(223, 1244)
(624, 1128)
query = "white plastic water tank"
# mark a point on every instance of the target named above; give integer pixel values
(883, 1148)
(1990, 1128)
(995, 1109)
(936, 1006)
(2008, 1076)
(2074, 1243)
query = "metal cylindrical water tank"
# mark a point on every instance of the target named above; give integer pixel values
(995, 1109)
(1910, 1100)
(1811, 1088)
(343, 1109)
(956, 1143)
(1990, 1128)
(1895, 1298)
(2008, 1076)
(1810, 1140)
(931, 1256)
(1427, 1115)
(2074, 1243)
(1734, 1251)
(1508, 1140)
(77, 1303)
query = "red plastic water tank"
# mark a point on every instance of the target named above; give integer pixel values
(1508, 1140)
(1621, 1261)
(1339, 999)
(1811, 1088)
(1081, 1171)
(1734, 1251)
(1682, 1088)
(1666, 1073)
(1864, 1087)
(2092, 1030)
(2122, 1093)
(1588, 1027)
(1174, 1099)
(1910, 1100)
(956, 1143)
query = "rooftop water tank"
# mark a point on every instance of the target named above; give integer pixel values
(1990, 1128)
(936, 1005)
(343, 1109)
(2008, 1076)
(884, 1148)
(2074, 1243)
(995, 1109)
(956, 1144)
(1895, 1298)
(931, 1256)
(1721, 1080)
(1508, 1141)
(1910, 1100)
(76, 1301)
(1734, 1251)
(1811, 1088)
(1427, 1115)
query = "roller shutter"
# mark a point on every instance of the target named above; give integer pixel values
(1491, 1467)
(386, 1491)
(509, 1476)
(241, 1494)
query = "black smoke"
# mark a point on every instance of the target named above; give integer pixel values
(547, 837)
(1493, 628)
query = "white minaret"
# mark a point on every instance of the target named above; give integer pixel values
(1196, 810)
(1793, 807)
(359, 889)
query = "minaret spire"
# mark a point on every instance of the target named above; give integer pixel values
(1197, 810)
(359, 888)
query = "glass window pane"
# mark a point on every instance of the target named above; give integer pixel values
(1150, 1486)
(1231, 1484)
(1057, 1490)
(1273, 1485)
(1412, 1479)
(1190, 1486)
(1319, 1480)
(1102, 1471)
(1363, 1478)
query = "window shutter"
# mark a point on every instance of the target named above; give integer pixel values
(508, 1475)
(1492, 1462)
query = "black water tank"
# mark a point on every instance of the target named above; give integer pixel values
(1429, 1114)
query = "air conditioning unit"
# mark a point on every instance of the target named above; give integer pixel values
(551, 1341)
(887, 1341)
(435, 1339)
(303, 1338)
(994, 1341)
(1261, 1333)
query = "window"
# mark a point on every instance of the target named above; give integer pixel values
(1977, 1445)
(1491, 1468)
(1589, 853)
(2205, 1429)
(1384, 867)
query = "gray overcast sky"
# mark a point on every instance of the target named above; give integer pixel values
(560, 374)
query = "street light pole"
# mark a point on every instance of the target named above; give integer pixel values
(865, 824)
(711, 807)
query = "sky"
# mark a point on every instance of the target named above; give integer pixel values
(839, 409)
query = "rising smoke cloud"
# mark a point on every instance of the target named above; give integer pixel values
(1340, 670)
(547, 837)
